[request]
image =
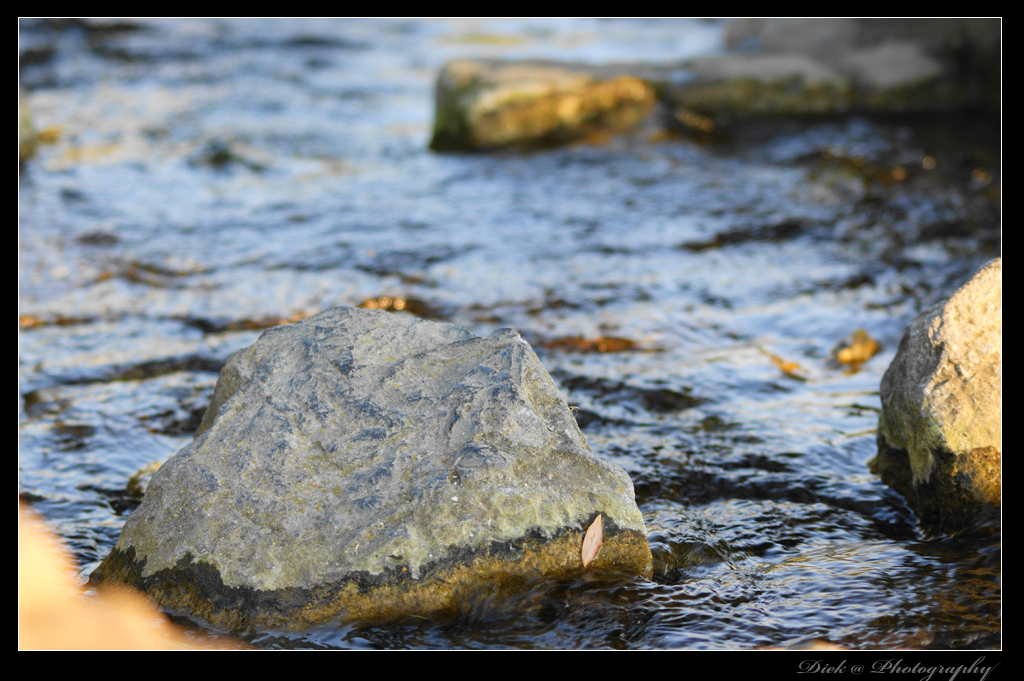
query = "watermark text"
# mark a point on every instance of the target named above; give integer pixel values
(976, 671)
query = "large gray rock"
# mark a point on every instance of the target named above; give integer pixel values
(486, 104)
(362, 464)
(940, 437)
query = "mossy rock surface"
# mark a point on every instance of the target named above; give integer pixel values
(362, 464)
(815, 67)
(940, 435)
(489, 104)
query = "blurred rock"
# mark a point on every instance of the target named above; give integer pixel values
(367, 465)
(724, 88)
(786, 67)
(778, 67)
(26, 134)
(810, 36)
(940, 430)
(900, 76)
(831, 39)
(486, 104)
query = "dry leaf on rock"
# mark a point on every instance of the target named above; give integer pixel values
(592, 541)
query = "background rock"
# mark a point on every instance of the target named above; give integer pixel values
(818, 66)
(369, 465)
(484, 104)
(826, 38)
(940, 430)
(780, 67)
(738, 86)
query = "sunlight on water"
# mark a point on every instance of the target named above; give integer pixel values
(213, 178)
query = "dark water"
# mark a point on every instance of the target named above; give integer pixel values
(212, 176)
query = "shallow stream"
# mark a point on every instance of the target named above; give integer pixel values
(206, 179)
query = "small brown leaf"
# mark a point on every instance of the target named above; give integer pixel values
(592, 541)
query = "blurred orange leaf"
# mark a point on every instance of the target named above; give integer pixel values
(28, 321)
(788, 368)
(599, 344)
(398, 304)
(857, 349)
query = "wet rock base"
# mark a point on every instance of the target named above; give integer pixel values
(965, 491)
(503, 569)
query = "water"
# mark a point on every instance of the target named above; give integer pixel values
(211, 176)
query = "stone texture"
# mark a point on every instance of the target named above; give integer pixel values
(828, 66)
(940, 430)
(731, 87)
(486, 104)
(778, 68)
(811, 36)
(828, 37)
(890, 66)
(365, 465)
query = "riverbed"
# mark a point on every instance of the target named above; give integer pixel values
(206, 179)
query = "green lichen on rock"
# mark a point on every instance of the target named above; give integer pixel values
(487, 104)
(730, 87)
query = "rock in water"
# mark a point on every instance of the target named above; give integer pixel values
(487, 104)
(366, 465)
(940, 437)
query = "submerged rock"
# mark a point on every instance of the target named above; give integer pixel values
(940, 436)
(486, 104)
(367, 465)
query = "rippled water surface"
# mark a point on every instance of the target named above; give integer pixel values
(211, 177)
